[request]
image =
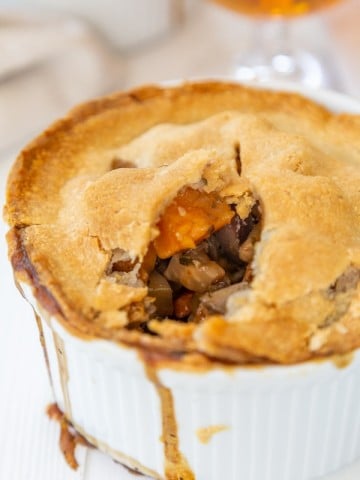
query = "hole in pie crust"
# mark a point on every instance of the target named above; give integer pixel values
(202, 255)
(121, 163)
(341, 292)
(238, 159)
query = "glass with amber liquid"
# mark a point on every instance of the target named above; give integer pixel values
(276, 7)
(272, 55)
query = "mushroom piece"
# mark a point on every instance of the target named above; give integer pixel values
(215, 302)
(194, 270)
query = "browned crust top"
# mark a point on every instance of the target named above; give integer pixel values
(84, 143)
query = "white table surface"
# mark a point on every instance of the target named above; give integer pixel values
(28, 440)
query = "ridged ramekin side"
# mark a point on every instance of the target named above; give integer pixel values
(299, 431)
(272, 423)
(103, 390)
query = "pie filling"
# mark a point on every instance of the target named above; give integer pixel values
(201, 256)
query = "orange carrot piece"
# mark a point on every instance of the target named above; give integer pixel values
(190, 218)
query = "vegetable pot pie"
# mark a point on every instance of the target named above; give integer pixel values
(209, 218)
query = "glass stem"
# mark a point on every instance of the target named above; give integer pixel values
(272, 55)
(272, 37)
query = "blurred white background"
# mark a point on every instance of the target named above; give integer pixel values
(55, 53)
(124, 24)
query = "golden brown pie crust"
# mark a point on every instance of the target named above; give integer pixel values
(70, 210)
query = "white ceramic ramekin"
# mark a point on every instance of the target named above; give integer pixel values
(265, 423)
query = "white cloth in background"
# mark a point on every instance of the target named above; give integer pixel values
(125, 23)
(48, 64)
